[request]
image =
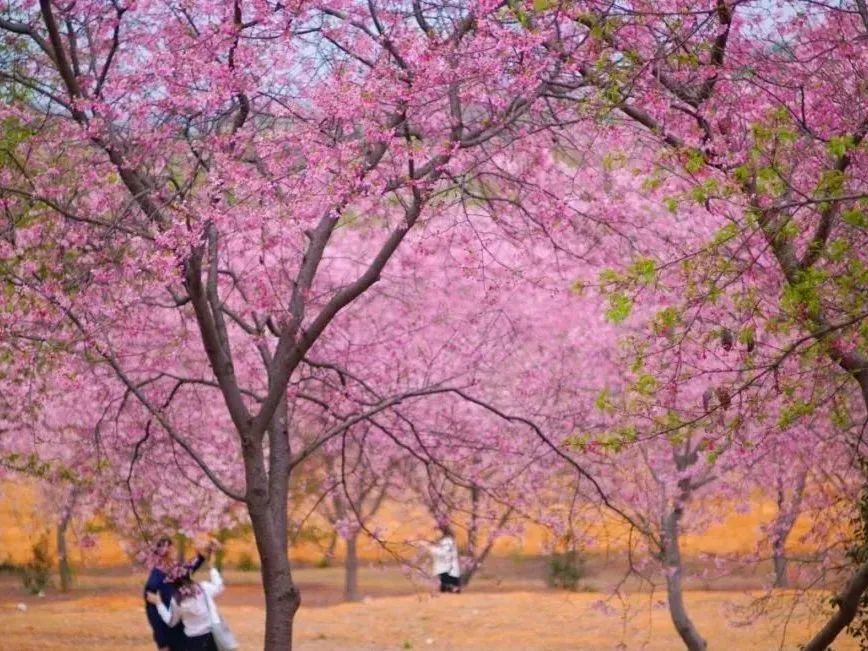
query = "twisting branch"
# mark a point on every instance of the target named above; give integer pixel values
(817, 245)
(537, 430)
(155, 412)
(290, 351)
(366, 414)
(847, 602)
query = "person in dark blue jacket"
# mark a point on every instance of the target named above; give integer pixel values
(166, 638)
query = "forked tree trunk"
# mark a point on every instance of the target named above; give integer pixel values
(477, 555)
(351, 569)
(786, 520)
(674, 589)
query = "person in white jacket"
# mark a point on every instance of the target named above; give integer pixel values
(192, 604)
(445, 564)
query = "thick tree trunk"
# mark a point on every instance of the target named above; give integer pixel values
(351, 569)
(672, 564)
(847, 602)
(282, 597)
(780, 561)
(779, 541)
(266, 500)
(63, 565)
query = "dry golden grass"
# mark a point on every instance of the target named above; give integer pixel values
(504, 610)
(525, 621)
(105, 612)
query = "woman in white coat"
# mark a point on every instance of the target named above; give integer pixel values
(445, 564)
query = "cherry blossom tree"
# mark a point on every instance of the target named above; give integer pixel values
(201, 191)
(751, 115)
(220, 215)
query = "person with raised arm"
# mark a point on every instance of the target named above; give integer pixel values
(192, 605)
(445, 563)
(165, 637)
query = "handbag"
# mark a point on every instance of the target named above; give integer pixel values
(223, 637)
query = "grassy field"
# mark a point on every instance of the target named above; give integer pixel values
(508, 608)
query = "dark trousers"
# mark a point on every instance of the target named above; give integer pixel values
(449, 583)
(176, 640)
(201, 643)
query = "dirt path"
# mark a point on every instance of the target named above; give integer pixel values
(519, 621)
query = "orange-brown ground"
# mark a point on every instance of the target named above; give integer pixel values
(512, 613)
(507, 608)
